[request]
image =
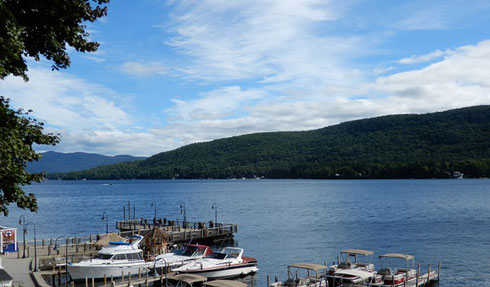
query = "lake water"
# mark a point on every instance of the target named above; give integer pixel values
(287, 221)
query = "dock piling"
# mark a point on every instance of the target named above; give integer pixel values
(86, 281)
(129, 279)
(268, 281)
(428, 276)
(393, 280)
(139, 273)
(93, 282)
(105, 279)
(439, 272)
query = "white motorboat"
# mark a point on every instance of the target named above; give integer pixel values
(226, 264)
(119, 257)
(179, 257)
(314, 277)
(356, 268)
(403, 276)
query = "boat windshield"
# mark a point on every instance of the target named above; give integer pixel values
(104, 256)
(219, 255)
(128, 256)
(177, 251)
(192, 251)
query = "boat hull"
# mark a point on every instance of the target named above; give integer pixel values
(80, 272)
(228, 272)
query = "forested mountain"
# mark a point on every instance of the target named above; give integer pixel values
(52, 162)
(395, 146)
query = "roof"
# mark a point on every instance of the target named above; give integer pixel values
(357, 251)
(224, 283)
(311, 266)
(397, 255)
(104, 241)
(4, 276)
(188, 278)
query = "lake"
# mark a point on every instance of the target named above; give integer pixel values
(287, 221)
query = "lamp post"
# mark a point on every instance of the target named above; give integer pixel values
(22, 220)
(35, 245)
(182, 211)
(154, 205)
(106, 217)
(57, 247)
(215, 207)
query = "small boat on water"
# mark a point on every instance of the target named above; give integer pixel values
(314, 277)
(229, 263)
(179, 257)
(119, 256)
(356, 268)
(402, 276)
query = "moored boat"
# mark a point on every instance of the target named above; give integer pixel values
(356, 268)
(229, 263)
(179, 257)
(314, 277)
(113, 260)
(403, 276)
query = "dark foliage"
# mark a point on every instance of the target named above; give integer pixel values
(398, 146)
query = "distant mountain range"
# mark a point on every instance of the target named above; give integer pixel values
(433, 145)
(55, 162)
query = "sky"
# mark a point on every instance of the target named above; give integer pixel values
(171, 73)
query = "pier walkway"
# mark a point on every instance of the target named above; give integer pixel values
(18, 269)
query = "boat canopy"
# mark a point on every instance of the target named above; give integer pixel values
(357, 251)
(224, 283)
(311, 266)
(397, 255)
(188, 278)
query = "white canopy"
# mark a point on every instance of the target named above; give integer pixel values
(397, 255)
(357, 251)
(224, 283)
(311, 266)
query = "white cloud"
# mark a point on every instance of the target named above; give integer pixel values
(423, 58)
(268, 41)
(141, 70)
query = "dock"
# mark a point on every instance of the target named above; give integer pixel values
(180, 232)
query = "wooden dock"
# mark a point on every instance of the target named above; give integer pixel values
(180, 233)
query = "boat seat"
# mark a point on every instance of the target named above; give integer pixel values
(345, 265)
(386, 271)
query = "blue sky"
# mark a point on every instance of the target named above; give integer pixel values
(170, 73)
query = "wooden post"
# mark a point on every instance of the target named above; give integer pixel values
(105, 279)
(42, 243)
(72, 283)
(417, 275)
(59, 276)
(85, 247)
(139, 273)
(439, 272)
(338, 261)
(146, 279)
(93, 282)
(393, 280)
(122, 276)
(112, 279)
(428, 276)
(406, 278)
(268, 281)
(129, 279)
(86, 281)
